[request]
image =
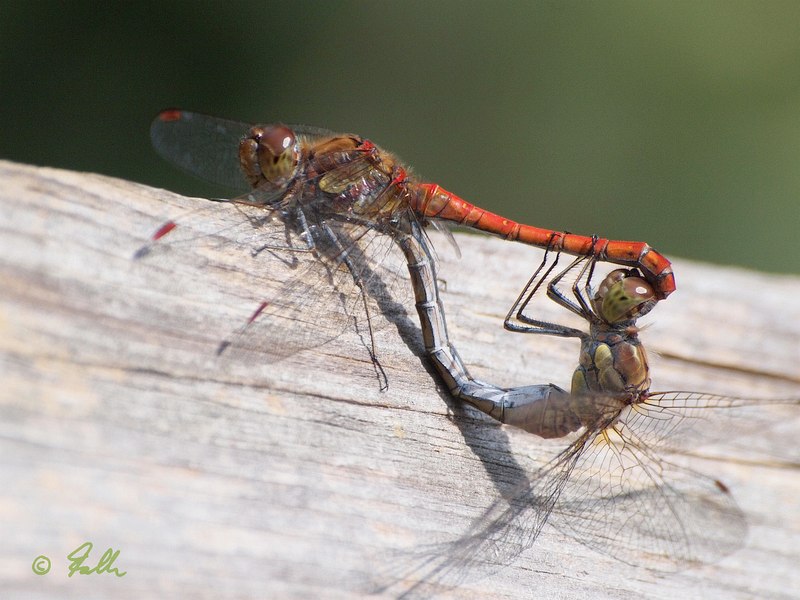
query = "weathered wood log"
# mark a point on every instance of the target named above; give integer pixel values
(234, 478)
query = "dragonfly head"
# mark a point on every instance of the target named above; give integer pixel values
(269, 154)
(624, 295)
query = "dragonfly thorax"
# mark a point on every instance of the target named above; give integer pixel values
(613, 361)
(612, 357)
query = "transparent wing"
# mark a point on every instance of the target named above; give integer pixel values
(609, 490)
(645, 510)
(506, 528)
(208, 147)
(356, 281)
(677, 421)
(297, 298)
(613, 492)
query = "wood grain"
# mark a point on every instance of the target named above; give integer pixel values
(234, 478)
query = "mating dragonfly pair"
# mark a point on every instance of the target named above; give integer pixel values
(348, 204)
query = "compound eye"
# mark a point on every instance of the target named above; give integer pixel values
(278, 154)
(624, 298)
(277, 139)
(269, 153)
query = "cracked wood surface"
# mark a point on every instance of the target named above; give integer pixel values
(237, 478)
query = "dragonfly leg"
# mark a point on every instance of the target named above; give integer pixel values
(517, 321)
(533, 285)
(297, 222)
(582, 307)
(343, 255)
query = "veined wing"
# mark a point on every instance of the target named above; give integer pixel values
(610, 492)
(625, 499)
(681, 421)
(294, 298)
(356, 280)
(208, 147)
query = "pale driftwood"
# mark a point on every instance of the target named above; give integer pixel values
(232, 480)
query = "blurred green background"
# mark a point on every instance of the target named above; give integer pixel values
(677, 123)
